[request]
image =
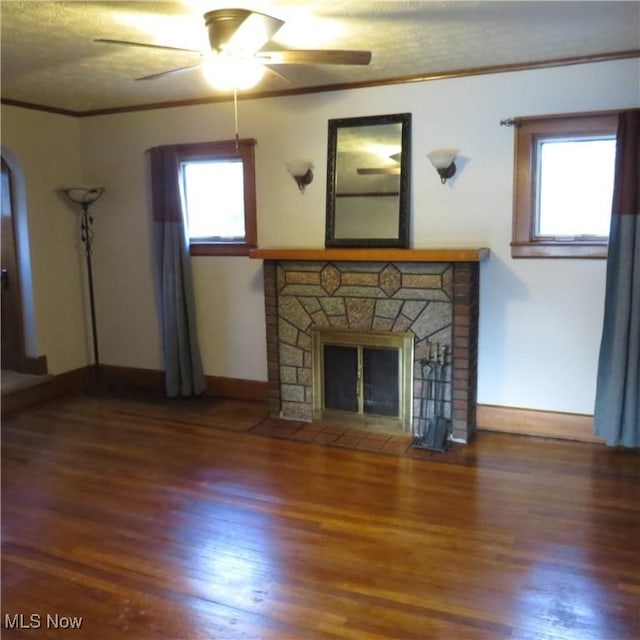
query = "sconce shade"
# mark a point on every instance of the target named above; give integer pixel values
(298, 167)
(442, 158)
(443, 161)
(83, 195)
(301, 171)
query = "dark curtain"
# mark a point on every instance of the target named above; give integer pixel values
(617, 406)
(174, 285)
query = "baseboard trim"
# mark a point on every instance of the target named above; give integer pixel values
(127, 378)
(533, 422)
(132, 378)
(153, 379)
(36, 366)
(237, 388)
(68, 383)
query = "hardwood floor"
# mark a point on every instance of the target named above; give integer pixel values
(154, 520)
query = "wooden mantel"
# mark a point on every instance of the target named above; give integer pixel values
(444, 254)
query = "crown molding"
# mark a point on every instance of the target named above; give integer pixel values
(257, 95)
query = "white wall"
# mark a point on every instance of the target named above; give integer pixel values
(46, 151)
(540, 319)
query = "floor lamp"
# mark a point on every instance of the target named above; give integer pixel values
(85, 197)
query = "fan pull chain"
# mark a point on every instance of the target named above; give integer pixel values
(235, 113)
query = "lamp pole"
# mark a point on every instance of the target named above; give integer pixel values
(85, 197)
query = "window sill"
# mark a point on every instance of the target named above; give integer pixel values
(594, 250)
(220, 249)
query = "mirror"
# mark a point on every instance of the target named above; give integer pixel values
(368, 181)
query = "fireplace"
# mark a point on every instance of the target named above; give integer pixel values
(429, 296)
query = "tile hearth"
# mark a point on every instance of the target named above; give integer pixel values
(335, 435)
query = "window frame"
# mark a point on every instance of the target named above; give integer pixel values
(524, 243)
(242, 150)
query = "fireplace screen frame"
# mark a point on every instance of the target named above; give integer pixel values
(402, 342)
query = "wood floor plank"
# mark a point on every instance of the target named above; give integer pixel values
(152, 519)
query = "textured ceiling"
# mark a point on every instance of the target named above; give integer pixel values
(49, 57)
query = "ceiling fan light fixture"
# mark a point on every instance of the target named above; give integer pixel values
(237, 60)
(222, 24)
(227, 72)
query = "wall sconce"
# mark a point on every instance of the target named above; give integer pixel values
(301, 172)
(442, 160)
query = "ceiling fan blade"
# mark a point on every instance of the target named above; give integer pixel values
(315, 56)
(254, 33)
(275, 73)
(240, 31)
(170, 72)
(379, 171)
(145, 44)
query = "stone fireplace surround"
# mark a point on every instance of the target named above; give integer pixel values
(433, 293)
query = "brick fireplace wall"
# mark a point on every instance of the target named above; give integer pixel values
(436, 301)
(466, 307)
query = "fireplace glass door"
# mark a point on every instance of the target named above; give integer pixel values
(365, 376)
(380, 380)
(361, 379)
(340, 378)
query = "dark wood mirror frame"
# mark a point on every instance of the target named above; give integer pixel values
(397, 228)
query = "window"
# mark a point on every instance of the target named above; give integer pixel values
(564, 171)
(219, 197)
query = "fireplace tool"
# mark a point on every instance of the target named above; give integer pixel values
(433, 425)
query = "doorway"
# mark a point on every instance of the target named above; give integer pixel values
(13, 344)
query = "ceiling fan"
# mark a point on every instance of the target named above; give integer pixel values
(377, 171)
(236, 60)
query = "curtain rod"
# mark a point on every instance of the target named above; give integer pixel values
(510, 122)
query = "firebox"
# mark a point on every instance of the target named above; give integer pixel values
(363, 377)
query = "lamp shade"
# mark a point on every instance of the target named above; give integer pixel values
(83, 195)
(442, 158)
